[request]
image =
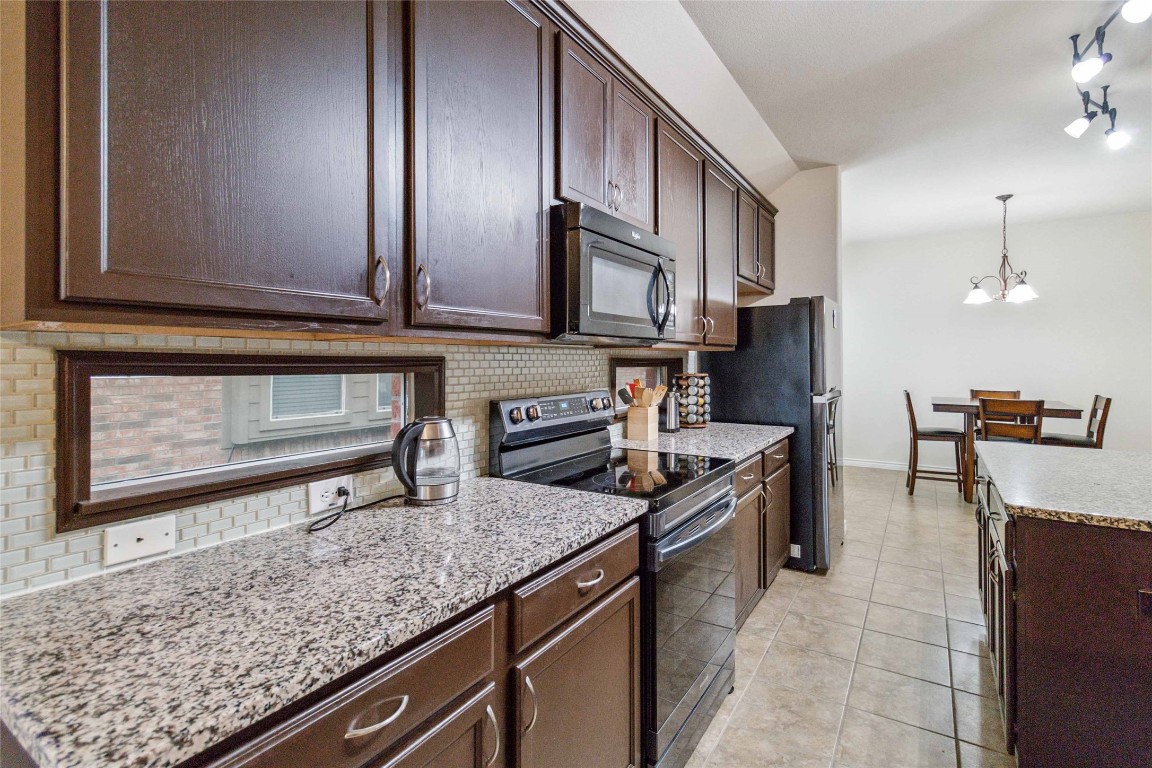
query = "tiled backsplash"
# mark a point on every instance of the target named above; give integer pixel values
(33, 555)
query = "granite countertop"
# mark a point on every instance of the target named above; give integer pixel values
(1078, 485)
(725, 441)
(151, 665)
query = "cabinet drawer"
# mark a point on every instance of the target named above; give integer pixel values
(403, 694)
(748, 476)
(775, 457)
(545, 602)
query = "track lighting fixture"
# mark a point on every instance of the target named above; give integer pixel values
(1011, 286)
(1086, 65)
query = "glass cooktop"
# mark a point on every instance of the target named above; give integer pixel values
(658, 477)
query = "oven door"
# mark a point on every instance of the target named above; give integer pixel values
(692, 631)
(624, 292)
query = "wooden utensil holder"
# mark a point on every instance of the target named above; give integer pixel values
(643, 423)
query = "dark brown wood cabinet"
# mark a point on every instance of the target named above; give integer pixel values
(467, 737)
(578, 694)
(720, 238)
(680, 218)
(749, 551)
(777, 524)
(238, 157)
(482, 149)
(766, 248)
(607, 139)
(747, 229)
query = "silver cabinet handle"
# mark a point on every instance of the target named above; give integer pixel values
(769, 496)
(703, 324)
(748, 476)
(382, 265)
(427, 286)
(619, 196)
(496, 730)
(611, 198)
(535, 704)
(355, 733)
(711, 326)
(777, 455)
(583, 585)
(759, 270)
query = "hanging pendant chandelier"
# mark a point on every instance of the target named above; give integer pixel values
(1010, 284)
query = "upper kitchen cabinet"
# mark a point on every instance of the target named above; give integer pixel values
(228, 157)
(747, 259)
(482, 165)
(680, 218)
(766, 247)
(607, 139)
(720, 243)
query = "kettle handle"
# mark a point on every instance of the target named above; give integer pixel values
(409, 434)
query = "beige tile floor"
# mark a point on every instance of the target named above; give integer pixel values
(881, 662)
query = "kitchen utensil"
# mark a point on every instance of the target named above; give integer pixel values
(426, 460)
(625, 395)
(661, 390)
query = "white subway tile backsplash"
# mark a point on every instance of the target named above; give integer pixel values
(475, 375)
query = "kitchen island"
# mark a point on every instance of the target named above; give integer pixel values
(1066, 585)
(152, 665)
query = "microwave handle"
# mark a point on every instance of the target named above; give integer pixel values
(652, 291)
(667, 298)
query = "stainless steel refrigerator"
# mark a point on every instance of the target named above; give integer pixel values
(786, 370)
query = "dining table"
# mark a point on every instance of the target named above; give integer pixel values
(970, 407)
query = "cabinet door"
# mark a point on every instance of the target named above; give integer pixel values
(777, 524)
(229, 156)
(585, 105)
(481, 160)
(633, 157)
(748, 554)
(720, 256)
(578, 696)
(679, 218)
(467, 737)
(766, 248)
(747, 222)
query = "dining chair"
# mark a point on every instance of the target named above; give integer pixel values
(999, 394)
(1010, 420)
(1094, 437)
(933, 434)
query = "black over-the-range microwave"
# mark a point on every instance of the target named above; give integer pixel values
(612, 283)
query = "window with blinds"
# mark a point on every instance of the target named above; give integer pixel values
(296, 397)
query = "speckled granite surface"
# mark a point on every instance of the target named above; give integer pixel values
(148, 666)
(725, 441)
(1079, 485)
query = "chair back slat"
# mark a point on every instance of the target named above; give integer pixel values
(1098, 419)
(1011, 418)
(999, 394)
(911, 414)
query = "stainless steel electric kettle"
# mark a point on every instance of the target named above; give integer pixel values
(426, 460)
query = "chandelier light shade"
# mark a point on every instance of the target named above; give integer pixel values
(1011, 286)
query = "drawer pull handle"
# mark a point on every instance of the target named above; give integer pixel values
(358, 732)
(748, 476)
(535, 704)
(583, 585)
(777, 455)
(495, 730)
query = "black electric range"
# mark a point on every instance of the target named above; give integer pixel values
(688, 571)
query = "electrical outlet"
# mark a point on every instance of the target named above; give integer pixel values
(322, 494)
(133, 540)
(795, 550)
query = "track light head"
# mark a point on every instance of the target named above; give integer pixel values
(1136, 11)
(1088, 67)
(1116, 139)
(1077, 127)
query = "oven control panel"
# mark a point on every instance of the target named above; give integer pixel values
(522, 417)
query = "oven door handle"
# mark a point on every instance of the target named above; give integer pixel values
(663, 553)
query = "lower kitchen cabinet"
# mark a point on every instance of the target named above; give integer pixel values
(777, 522)
(578, 694)
(748, 554)
(467, 737)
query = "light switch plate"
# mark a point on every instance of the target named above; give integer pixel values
(135, 540)
(795, 550)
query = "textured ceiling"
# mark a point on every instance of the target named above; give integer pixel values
(933, 108)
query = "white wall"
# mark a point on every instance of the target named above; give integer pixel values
(661, 42)
(1090, 332)
(808, 249)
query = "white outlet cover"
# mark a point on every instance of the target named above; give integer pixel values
(322, 494)
(795, 550)
(135, 540)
